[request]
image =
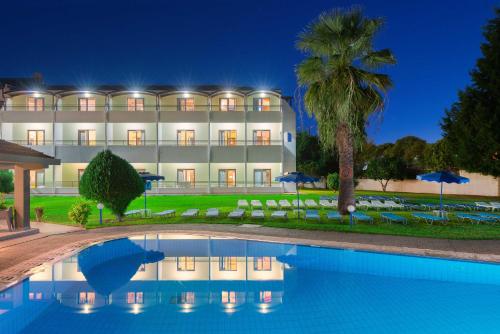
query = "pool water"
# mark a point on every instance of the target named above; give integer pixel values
(185, 284)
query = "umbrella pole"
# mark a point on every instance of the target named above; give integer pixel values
(441, 200)
(298, 203)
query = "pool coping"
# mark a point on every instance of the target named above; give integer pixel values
(14, 274)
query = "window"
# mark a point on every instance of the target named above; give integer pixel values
(227, 137)
(185, 137)
(36, 103)
(86, 137)
(86, 298)
(228, 297)
(36, 137)
(37, 178)
(35, 296)
(261, 104)
(265, 297)
(227, 177)
(185, 104)
(262, 263)
(185, 263)
(86, 104)
(227, 104)
(262, 137)
(136, 137)
(262, 177)
(135, 104)
(186, 178)
(228, 263)
(135, 298)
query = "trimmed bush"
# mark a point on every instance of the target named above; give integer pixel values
(6, 183)
(112, 181)
(332, 181)
(79, 213)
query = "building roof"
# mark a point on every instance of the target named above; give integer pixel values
(13, 154)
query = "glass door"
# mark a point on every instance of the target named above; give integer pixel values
(185, 137)
(227, 177)
(262, 177)
(86, 137)
(36, 137)
(262, 137)
(227, 137)
(185, 178)
(136, 137)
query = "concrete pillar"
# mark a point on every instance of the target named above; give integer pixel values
(22, 197)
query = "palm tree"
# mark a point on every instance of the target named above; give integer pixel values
(342, 86)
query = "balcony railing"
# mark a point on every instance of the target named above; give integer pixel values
(179, 184)
(80, 143)
(132, 143)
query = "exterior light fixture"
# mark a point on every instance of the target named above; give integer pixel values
(136, 95)
(100, 206)
(351, 208)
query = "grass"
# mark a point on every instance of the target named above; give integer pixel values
(56, 210)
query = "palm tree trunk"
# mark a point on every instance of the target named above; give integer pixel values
(345, 147)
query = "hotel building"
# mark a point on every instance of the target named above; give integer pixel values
(204, 140)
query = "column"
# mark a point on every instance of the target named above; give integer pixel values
(22, 197)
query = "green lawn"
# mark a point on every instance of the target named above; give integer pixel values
(56, 210)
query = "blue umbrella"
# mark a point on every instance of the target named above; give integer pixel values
(147, 177)
(441, 177)
(297, 177)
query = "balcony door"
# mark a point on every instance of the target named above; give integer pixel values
(185, 104)
(86, 104)
(227, 137)
(227, 177)
(227, 104)
(36, 137)
(185, 137)
(136, 137)
(262, 137)
(86, 137)
(186, 178)
(135, 104)
(36, 103)
(262, 177)
(261, 104)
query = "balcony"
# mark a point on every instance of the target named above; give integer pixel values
(73, 115)
(272, 115)
(146, 152)
(227, 153)
(196, 152)
(227, 116)
(45, 148)
(172, 114)
(265, 153)
(72, 151)
(22, 115)
(115, 116)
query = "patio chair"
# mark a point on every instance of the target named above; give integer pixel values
(242, 203)
(364, 204)
(310, 203)
(133, 213)
(492, 216)
(428, 218)
(359, 216)
(255, 203)
(237, 213)
(258, 214)
(393, 218)
(284, 204)
(326, 203)
(212, 213)
(271, 204)
(333, 215)
(312, 214)
(484, 206)
(165, 213)
(473, 218)
(394, 205)
(280, 214)
(190, 213)
(377, 204)
(298, 203)
(495, 205)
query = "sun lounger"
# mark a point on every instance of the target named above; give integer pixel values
(279, 214)
(133, 213)
(255, 203)
(310, 203)
(258, 214)
(271, 204)
(364, 204)
(492, 216)
(242, 203)
(428, 218)
(394, 205)
(326, 203)
(473, 218)
(393, 218)
(284, 204)
(333, 215)
(429, 206)
(166, 213)
(485, 206)
(377, 204)
(212, 213)
(298, 203)
(312, 214)
(238, 213)
(191, 213)
(495, 205)
(359, 216)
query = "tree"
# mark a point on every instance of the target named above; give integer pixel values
(472, 125)
(6, 183)
(384, 169)
(312, 159)
(112, 181)
(342, 86)
(411, 150)
(332, 181)
(438, 156)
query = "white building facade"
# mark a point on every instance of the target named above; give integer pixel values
(202, 140)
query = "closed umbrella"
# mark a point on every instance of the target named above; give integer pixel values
(442, 177)
(297, 177)
(147, 178)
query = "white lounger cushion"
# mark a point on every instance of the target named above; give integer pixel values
(271, 203)
(279, 214)
(301, 204)
(256, 203)
(284, 203)
(242, 203)
(212, 212)
(310, 203)
(258, 214)
(238, 213)
(325, 203)
(165, 213)
(190, 213)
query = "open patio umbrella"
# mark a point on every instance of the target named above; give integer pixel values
(442, 177)
(147, 177)
(297, 177)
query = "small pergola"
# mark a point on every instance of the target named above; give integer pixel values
(22, 159)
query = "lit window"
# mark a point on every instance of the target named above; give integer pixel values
(37, 178)
(185, 137)
(86, 137)
(86, 298)
(227, 137)
(228, 263)
(265, 297)
(36, 137)
(261, 104)
(86, 104)
(136, 137)
(227, 177)
(185, 104)
(185, 263)
(135, 298)
(228, 297)
(35, 296)
(36, 103)
(262, 177)
(227, 104)
(186, 178)
(262, 137)
(135, 104)
(262, 263)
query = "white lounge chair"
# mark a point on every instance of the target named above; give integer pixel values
(271, 204)
(255, 203)
(242, 203)
(284, 204)
(326, 203)
(310, 203)
(280, 214)
(258, 214)
(495, 205)
(299, 202)
(165, 213)
(394, 205)
(191, 213)
(379, 205)
(212, 213)
(237, 213)
(133, 213)
(364, 204)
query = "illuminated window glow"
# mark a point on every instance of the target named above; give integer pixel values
(228, 263)
(262, 263)
(186, 263)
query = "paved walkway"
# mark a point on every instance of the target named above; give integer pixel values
(19, 256)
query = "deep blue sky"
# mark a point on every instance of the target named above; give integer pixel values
(242, 43)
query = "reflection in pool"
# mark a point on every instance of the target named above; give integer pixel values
(186, 284)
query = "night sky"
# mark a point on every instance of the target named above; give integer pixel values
(242, 43)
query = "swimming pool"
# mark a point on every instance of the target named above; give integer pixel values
(188, 284)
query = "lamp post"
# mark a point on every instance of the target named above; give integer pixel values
(100, 206)
(351, 208)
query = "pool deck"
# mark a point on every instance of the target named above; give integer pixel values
(23, 256)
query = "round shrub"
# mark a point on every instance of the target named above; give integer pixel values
(79, 213)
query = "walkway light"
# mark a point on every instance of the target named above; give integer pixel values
(100, 206)
(351, 208)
